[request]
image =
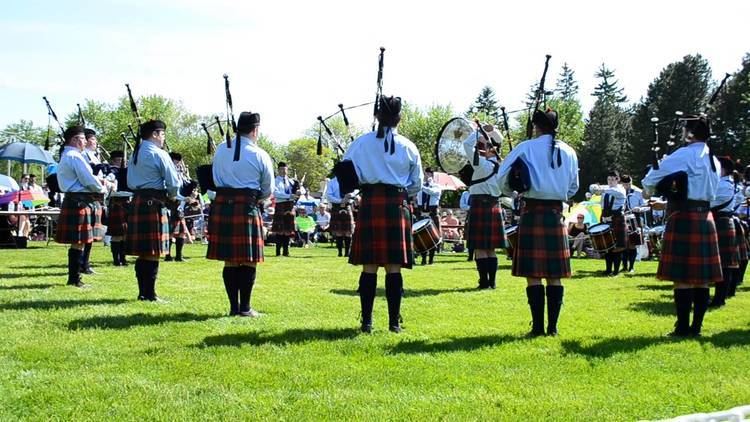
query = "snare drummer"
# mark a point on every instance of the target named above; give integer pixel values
(117, 211)
(428, 206)
(389, 169)
(634, 201)
(613, 203)
(542, 250)
(486, 230)
(722, 207)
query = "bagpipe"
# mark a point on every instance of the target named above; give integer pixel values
(344, 170)
(205, 172)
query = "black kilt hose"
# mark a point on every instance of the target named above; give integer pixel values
(728, 249)
(283, 219)
(236, 227)
(542, 249)
(690, 248)
(80, 219)
(148, 224)
(485, 223)
(382, 234)
(117, 212)
(342, 221)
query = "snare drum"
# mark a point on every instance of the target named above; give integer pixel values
(512, 234)
(426, 236)
(602, 237)
(635, 236)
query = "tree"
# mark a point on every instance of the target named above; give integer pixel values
(681, 86)
(302, 159)
(422, 128)
(342, 136)
(485, 104)
(731, 115)
(567, 86)
(24, 130)
(608, 85)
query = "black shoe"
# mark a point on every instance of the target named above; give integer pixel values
(535, 333)
(252, 313)
(678, 334)
(366, 328)
(180, 259)
(89, 270)
(80, 285)
(141, 298)
(395, 328)
(168, 258)
(156, 299)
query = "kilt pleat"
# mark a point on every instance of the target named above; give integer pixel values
(80, 221)
(690, 249)
(727, 234)
(283, 219)
(235, 229)
(542, 249)
(485, 223)
(342, 221)
(382, 234)
(148, 226)
(117, 224)
(741, 239)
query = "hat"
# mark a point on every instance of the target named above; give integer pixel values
(428, 170)
(73, 131)
(698, 126)
(389, 107)
(151, 126)
(175, 156)
(247, 121)
(726, 163)
(545, 120)
(116, 154)
(89, 133)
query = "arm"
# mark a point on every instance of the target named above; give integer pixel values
(504, 172)
(573, 187)
(332, 192)
(85, 175)
(279, 192)
(670, 164)
(266, 177)
(415, 176)
(169, 173)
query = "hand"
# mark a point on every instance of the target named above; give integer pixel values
(606, 219)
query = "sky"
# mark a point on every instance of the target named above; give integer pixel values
(292, 61)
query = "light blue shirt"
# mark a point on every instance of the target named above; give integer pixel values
(635, 198)
(433, 195)
(492, 185)
(693, 159)
(725, 193)
(155, 170)
(282, 189)
(254, 170)
(618, 193)
(373, 164)
(463, 202)
(74, 173)
(333, 192)
(558, 183)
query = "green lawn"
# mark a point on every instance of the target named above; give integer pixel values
(98, 354)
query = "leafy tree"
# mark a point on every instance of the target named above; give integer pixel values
(731, 114)
(341, 135)
(422, 127)
(485, 104)
(567, 86)
(302, 159)
(24, 130)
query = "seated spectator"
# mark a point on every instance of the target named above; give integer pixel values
(307, 201)
(577, 231)
(449, 219)
(305, 226)
(322, 223)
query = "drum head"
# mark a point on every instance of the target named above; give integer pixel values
(420, 224)
(599, 228)
(449, 148)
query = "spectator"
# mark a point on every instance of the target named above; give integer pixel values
(305, 226)
(322, 222)
(307, 201)
(449, 220)
(578, 231)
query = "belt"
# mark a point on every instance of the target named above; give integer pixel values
(723, 214)
(150, 192)
(84, 196)
(239, 191)
(690, 205)
(485, 197)
(533, 202)
(388, 188)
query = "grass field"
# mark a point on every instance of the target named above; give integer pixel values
(97, 353)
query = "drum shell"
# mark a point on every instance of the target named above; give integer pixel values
(602, 240)
(512, 233)
(426, 236)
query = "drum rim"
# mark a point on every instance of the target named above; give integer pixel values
(422, 223)
(593, 231)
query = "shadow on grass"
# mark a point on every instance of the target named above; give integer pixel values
(588, 274)
(30, 267)
(122, 322)
(610, 347)
(654, 307)
(15, 276)
(58, 304)
(659, 287)
(28, 286)
(408, 292)
(293, 336)
(454, 345)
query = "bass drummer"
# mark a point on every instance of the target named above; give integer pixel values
(613, 204)
(486, 231)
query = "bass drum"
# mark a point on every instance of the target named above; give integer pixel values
(426, 236)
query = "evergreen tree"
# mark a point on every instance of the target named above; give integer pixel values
(567, 86)
(731, 115)
(485, 105)
(608, 85)
(681, 86)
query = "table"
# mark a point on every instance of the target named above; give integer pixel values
(40, 213)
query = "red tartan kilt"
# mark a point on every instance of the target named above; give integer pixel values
(620, 230)
(342, 221)
(235, 229)
(382, 234)
(741, 239)
(485, 225)
(179, 227)
(690, 249)
(118, 217)
(80, 221)
(148, 226)
(283, 219)
(542, 249)
(728, 251)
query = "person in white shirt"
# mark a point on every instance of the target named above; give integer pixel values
(428, 206)
(286, 192)
(342, 219)
(722, 208)
(464, 204)
(633, 205)
(322, 222)
(613, 206)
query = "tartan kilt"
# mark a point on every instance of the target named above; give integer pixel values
(80, 220)
(725, 230)
(148, 226)
(382, 234)
(485, 223)
(542, 248)
(283, 219)
(235, 228)
(117, 211)
(690, 249)
(342, 221)
(741, 239)
(620, 230)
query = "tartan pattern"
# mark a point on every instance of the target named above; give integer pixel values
(80, 220)
(485, 223)
(542, 250)
(620, 230)
(730, 255)
(382, 234)
(741, 233)
(283, 219)
(690, 249)
(117, 213)
(342, 221)
(235, 229)
(148, 226)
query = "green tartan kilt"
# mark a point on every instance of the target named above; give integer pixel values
(235, 229)
(148, 226)
(542, 249)
(80, 219)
